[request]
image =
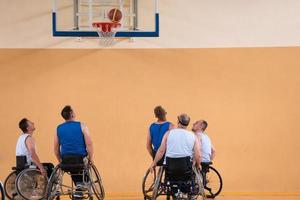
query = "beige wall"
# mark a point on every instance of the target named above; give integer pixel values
(250, 97)
(188, 24)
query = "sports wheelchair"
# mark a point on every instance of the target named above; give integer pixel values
(25, 181)
(85, 181)
(177, 179)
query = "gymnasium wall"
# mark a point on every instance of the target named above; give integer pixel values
(249, 96)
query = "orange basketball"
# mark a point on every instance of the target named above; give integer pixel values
(115, 15)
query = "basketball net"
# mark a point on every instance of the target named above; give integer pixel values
(106, 32)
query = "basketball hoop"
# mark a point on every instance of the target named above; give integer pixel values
(106, 32)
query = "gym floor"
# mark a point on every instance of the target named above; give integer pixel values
(226, 198)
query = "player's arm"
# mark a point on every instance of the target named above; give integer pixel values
(30, 144)
(56, 148)
(213, 152)
(161, 151)
(88, 142)
(149, 144)
(197, 153)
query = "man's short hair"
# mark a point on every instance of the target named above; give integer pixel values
(205, 124)
(66, 112)
(184, 119)
(160, 112)
(23, 125)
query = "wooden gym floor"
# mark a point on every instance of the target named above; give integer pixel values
(226, 198)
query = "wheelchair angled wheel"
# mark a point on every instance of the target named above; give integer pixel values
(54, 183)
(149, 181)
(2, 195)
(148, 184)
(10, 186)
(31, 184)
(213, 182)
(199, 187)
(96, 182)
(157, 190)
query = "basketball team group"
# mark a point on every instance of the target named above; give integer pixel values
(164, 139)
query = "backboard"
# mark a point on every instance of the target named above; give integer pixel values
(74, 18)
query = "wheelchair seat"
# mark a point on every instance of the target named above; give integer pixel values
(72, 163)
(179, 169)
(21, 164)
(205, 166)
(206, 163)
(71, 167)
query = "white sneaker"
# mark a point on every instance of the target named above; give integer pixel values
(81, 186)
(78, 194)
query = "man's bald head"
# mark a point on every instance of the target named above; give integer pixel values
(183, 119)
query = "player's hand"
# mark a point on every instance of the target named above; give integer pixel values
(152, 166)
(43, 172)
(91, 161)
(199, 167)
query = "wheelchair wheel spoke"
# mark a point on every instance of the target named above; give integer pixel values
(66, 186)
(151, 187)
